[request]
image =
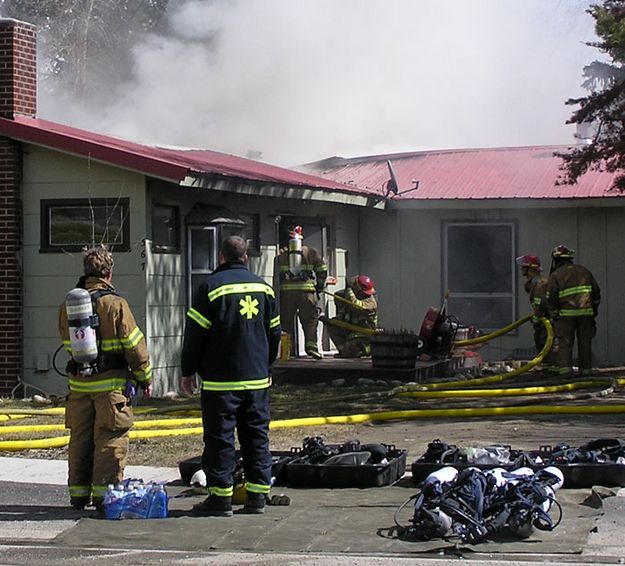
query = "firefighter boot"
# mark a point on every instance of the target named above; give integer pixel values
(214, 506)
(254, 503)
(79, 503)
(314, 353)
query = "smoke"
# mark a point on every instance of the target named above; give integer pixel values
(304, 80)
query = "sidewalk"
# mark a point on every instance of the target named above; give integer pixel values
(321, 522)
(54, 472)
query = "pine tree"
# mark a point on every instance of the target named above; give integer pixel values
(604, 109)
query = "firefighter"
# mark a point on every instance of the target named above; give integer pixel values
(303, 275)
(99, 414)
(231, 340)
(536, 287)
(359, 308)
(573, 298)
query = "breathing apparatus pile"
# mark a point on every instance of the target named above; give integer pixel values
(474, 504)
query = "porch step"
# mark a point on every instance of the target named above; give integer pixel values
(306, 370)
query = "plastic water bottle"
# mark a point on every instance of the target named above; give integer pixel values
(113, 501)
(158, 502)
(136, 504)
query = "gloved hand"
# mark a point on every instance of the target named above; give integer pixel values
(147, 390)
(188, 384)
(278, 500)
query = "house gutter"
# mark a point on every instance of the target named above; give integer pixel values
(275, 190)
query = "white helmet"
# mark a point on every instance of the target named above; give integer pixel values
(198, 479)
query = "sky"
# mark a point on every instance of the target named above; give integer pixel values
(302, 80)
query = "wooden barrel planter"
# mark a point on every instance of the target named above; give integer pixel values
(395, 350)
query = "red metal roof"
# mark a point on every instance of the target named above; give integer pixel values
(500, 173)
(171, 164)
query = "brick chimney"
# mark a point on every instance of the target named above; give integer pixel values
(18, 69)
(18, 97)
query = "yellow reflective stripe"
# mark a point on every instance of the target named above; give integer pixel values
(67, 345)
(575, 290)
(79, 490)
(100, 386)
(536, 302)
(143, 374)
(275, 321)
(298, 286)
(99, 490)
(320, 268)
(240, 288)
(111, 345)
(284, 268)
(197, 317)
(221, 491)
(577, 312)
(133, 339)
(236, 385)
(257, 488)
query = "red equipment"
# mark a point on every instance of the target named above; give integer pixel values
(438, 331)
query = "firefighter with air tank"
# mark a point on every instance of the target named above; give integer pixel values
(109, 357)
(303, 274)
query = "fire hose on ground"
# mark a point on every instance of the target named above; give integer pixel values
(450, 389)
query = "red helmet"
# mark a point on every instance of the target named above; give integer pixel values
(529, 260)
(562, 252)
(295, 232)
(365, 284)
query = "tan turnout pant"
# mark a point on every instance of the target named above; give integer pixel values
(98, 445)
(304, 305)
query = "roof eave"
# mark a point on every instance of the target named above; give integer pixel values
(213, 182)
(92, 150)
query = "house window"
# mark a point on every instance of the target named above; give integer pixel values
(165, 228)
(202, 256)
(249, 231)
(479, 271)
(70, 224)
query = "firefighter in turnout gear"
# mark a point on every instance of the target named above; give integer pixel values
(231, 340)
(573, 298)
(303, 276)
(359, 308)
(98, 412)
(536, 287)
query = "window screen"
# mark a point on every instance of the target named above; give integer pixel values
(479, 272)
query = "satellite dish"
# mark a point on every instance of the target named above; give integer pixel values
(391, 184)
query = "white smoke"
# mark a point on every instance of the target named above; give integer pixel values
(307, 79)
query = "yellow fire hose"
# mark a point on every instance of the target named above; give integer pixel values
(499, 332)
(436, 390)
(343, 300)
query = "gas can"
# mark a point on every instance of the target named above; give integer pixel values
(285, 346)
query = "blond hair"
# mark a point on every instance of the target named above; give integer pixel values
(97, 261)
